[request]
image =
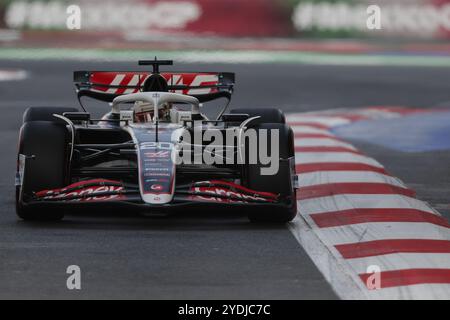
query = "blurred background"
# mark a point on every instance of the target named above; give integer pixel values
(330, 26)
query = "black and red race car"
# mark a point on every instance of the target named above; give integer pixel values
(139, 155)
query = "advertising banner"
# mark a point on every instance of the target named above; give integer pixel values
(426, 19)
(399, 18)
(215, 17)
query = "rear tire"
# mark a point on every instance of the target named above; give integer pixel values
(267, 115)
(280, 183)
(45, 113)
(47, 141)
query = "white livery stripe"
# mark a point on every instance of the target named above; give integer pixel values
(133, 82)
(117, 80)
(334, 157)
(326, 177)
(356, 201)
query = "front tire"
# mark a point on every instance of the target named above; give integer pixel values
(47, 142)
(279, 183)
(45, 113)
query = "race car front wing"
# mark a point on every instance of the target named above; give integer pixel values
(110, 193)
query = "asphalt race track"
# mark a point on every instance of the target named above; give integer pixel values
(191, 256)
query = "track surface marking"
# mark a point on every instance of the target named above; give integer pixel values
(365, 217)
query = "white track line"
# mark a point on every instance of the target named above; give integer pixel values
(363, 201)
(401, 261)
(322, 142)
(335, 271)
(310, 130)
(331, 121)
(329, 157)
(364, 232)
(402, 270)
(380, 114)
(325, 177)
(418, 291)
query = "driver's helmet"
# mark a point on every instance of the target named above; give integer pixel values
(144, 112)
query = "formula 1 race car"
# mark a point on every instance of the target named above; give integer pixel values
(150, 154)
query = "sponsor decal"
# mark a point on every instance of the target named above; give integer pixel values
(156, 180)
(153, 169)
(154, 163)
(228, 192)
(102, 16)
(232, 196)
(425, 18)
(141, 19)
(132, 81)
(158, 154)
(76, 192)
(157, 187)
(157, 174)
(88, 194)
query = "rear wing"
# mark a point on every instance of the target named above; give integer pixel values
(107, 85)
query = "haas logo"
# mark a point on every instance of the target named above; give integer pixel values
(156, 187)
(198, 83)
(159, 154)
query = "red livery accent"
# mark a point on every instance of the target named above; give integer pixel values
(130, 82)
(157, 187)
(88, 190)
